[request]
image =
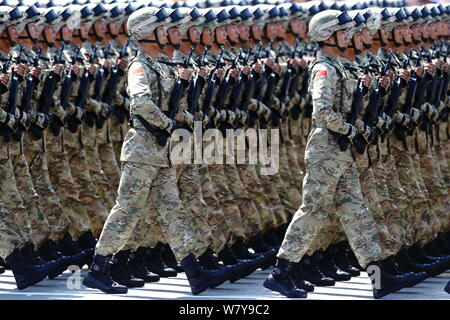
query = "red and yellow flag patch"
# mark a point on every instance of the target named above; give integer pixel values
(138, 70)
(322, 73)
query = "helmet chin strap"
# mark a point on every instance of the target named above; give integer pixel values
(108, 31)
(397, 44)
(335, 44)
(353, 46)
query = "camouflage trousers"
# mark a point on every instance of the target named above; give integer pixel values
(327, 182)
(216, 217)
(10, 235)
(370, 195)
(227, 202)
(294, 165)
(417, 223)
(53, 210)
(68, 193)
(16, 216)
(142, 185)
(103, 188)
(94, 205)
(117, 147)
(251, 220)
(109, 164)
(287, 177)
(35, 224)
(253, 185)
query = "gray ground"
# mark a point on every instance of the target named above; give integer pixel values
(68, 287)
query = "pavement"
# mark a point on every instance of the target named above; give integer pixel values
(68, 287)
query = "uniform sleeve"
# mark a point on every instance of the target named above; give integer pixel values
(139, 77)
(324, 80)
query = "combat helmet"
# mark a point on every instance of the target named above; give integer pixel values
(324, 24)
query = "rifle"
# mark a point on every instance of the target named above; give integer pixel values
(4, 129)
(178, 89)
(30, 86)
(111, 86)
(287, 77)
(196, 85)
(83, 91)
(248, 91)
(100, 77)
(13, 91)
(293, 87)
(400, 131)
(375, 99)
(393, 98)
(358, 96)
(212, 82)
(446, 81)
(240, 79)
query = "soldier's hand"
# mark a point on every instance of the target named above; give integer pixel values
(234, 73)
(122, 63)
(4, 79)
(384, 81)
(35, 72)
(256, 67)
(91, 68)
(184, 73)
(404, 74)
(19, 69)
(219, 73)
(438, 64)
(419, 71)
(105, 63)
(245, 70)
(429, 68)
(56, 68)
(12, 122)
(75, 69)
(294, 62)
(390, 74)
(268, 62)
(202, 72)
(302, 63)
(366, 80)
(276, 68)
(447, 68)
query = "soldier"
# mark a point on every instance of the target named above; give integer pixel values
(322, 184)
(147, 175)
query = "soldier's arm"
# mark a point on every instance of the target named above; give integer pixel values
(324, 83)
(141, 102)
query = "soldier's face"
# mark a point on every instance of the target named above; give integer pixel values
(407, 35)
(281, 27)
(13, 34)
(271, 30)
(433, 31)
(33, 31)
(244, 32)
(357, 39)
(161, 33)
(113, 29)
(384, 35)
(174, 37)
(367, 38)
(342, 39)
(50, 34)
(66, 34)
(233, 34)
(294, 25)
(416, 32)
(194, 34)
(256, 31)
(207, 37)
(425, 31)
(99, 28)
(84, 30)
(398, 34)
(221, 35)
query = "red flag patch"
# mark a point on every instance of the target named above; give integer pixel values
(138, 70)
(322, 73)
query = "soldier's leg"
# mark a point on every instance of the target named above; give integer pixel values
(94, 206)
(294, 194)
(10, 235)
(68, 194)
(36, 222)
(131, 206)
(53, 210)
(294, 165)
(109, 163)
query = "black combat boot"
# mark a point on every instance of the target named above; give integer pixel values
(405, 263)
(257, 243)
(272, 240)
(209, 262)
(389, 265)
(154, 264)
(199, 278)
(168, 257)
(243, 267)
(447, 287)
(68, 247)
(299, 280)
(49, 252)
(280, 280)
(120, 272)
(384, 283)
(137, 269)
(87, 243)
(98, 276)
(431, 250)
(417, 255)
(27, 273)
(281, 230)
(339, 256)
(351, 258)
(312, 273)
(2, 269)
(442, 244)
(325, 264)
(240, 250)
